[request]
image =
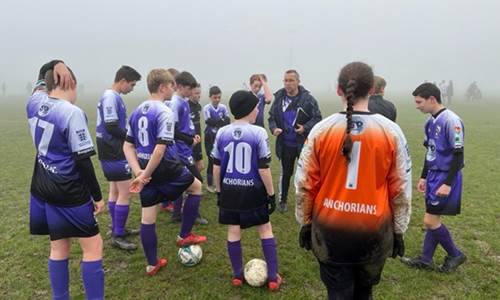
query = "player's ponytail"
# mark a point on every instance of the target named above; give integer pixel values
(347, 145)
(355, 81)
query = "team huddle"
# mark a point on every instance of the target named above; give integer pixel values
(352, 184)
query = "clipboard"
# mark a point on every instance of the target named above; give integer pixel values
(300, 118)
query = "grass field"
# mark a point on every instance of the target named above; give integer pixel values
(23, 268)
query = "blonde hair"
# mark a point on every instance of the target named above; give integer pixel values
(379, 84)
(157, 77)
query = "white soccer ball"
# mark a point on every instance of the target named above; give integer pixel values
(256, 272)
(190, 255)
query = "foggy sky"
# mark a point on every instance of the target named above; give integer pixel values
(224, 42)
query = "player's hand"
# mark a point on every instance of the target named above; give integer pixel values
(443, 190)
(299, 129)
(398, 248)
(277, 131)
(196, 140)
(262, 79)
(62, 76)
(421, 185)
(138, 184)
(271, 201)
(305, 240)
(98, 207)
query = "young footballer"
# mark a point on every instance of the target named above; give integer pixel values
(110, 134)
(260, 88)
(195, 109)
(353, 186)
(185, 136)
(216, 116)
(441, 179)
(244, 184)
(65, 194)
(151, 153)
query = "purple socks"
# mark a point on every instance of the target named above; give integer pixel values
(433, 237)
(430, 244)
(177, 211)
(59, 278)
(236, 258)
(443, 236)
(93, 279)
(149, 243)
(189, 214)
(121, 215)
(269, 249)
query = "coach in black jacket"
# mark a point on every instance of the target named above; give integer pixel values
(293, 114)
(377, 104)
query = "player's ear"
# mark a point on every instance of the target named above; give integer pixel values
(339, 92)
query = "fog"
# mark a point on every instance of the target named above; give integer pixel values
(224, 42)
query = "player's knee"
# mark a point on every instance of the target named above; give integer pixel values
(92, 248)
(195, 187)
(59, 249)
(148, 215)
(265, 231)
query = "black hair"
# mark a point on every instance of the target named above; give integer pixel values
(127, 73)
(214, 90)
(426, 90)
(355, 80)
(185, 79)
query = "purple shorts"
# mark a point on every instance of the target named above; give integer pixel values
(449, 205)
(60, 222)
(171, 190)
(116, 170)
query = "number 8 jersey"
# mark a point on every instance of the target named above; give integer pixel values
(61, 136)
(151, 123)
(354, 207)
(239, 149)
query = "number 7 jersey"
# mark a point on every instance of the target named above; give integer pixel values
(61, 136)
(355, 207)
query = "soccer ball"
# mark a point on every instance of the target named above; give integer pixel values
(190, 255)
(256, 272)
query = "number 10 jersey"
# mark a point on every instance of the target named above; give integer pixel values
(241, 149)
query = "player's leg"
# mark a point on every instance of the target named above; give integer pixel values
(190, 212)
(425, 261)
(235, 253)
(209, 144)
(121, 215)
(268, 243)
(112, 197)
(59, 268)
(196, 173)
(338, 280)
(91, 268)
(287, 166)
(365, 277)
(149, 200)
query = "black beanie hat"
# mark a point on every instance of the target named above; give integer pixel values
(242, 103)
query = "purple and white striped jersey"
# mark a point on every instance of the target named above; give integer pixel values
(240, 148)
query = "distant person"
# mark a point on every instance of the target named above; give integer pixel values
(65, 195)
(450, 91)
(441, 179)
(216, 116)
(443, 87)
(473, 92)
(111, 130)
(195, 108)
(4, 88)
(260, 88)
(377, 104)
(293, 114)
(353, 186)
